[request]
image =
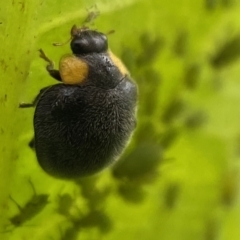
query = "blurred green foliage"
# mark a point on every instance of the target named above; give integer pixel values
(178, 178)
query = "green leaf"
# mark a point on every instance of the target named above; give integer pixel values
(178, 178)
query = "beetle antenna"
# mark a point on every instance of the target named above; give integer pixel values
(73, 32)
(57, 44)
(92, 15)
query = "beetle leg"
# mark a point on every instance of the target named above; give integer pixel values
(50, 67)
(31, 144)
(34, 102)
(26, 105)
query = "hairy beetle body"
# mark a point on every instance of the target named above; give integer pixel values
(83, 124)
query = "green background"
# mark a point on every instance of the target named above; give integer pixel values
(179, 177)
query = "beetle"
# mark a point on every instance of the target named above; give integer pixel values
(83, 124)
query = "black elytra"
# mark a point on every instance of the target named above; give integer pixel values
(83, 127)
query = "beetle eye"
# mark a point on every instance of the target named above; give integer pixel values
(89, 42)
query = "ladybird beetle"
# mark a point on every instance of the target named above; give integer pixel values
(83, 124)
